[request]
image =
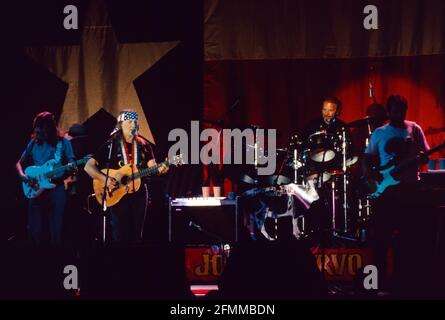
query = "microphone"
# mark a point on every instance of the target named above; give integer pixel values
(371, 94)
(114, 132)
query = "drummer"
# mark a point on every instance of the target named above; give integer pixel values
(328, 124)
(328, 121)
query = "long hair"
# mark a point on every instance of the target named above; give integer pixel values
(46, 120)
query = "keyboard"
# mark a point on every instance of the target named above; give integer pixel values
(201, 202)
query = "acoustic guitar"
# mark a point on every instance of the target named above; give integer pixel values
(128, 180)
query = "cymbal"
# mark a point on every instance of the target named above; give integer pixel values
(275, 180)
(351, 161)
(365, 121)
(248, 179)
(265, 152)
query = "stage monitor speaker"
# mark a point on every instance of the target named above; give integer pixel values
(203, 221)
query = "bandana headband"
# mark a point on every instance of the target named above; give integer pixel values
(127, 115)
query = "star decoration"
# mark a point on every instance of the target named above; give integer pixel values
(100, 71)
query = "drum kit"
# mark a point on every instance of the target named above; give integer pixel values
(316, 177)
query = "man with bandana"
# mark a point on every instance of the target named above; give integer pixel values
(129, 214)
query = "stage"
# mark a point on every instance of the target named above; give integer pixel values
(223, 150)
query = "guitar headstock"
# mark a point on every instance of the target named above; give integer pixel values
(177, 160)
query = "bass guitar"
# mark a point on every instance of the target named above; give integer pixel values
(391, 171)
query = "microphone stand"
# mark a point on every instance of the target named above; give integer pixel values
(206, 232)
(104, 194)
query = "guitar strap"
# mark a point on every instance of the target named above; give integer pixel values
(28, 152)
(58, 153)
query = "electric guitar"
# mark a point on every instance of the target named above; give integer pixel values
(128, 180)
(391, 171)
(40, 176)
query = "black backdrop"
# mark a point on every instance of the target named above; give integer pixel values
(29, 88)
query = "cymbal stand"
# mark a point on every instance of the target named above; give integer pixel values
(295, 163)
(369, 132)
(334, 224)
(345, 183)
(367, 204)
(255, 155)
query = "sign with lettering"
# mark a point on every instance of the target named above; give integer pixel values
(206, 264)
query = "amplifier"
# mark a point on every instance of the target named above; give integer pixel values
(203, 220)
(433, 184)
(433, 178)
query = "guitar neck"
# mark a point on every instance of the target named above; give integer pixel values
(66, 167)
(415, 161)
(150, 170)
(435, 149)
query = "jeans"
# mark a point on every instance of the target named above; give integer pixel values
(47, 210)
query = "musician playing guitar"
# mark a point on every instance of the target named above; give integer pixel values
(129, 148)
(47, 144)
(397, 207)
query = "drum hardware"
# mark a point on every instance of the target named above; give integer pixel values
(255, 153)
(334, 223)
(326, 158)
(266, 181)
(367, 204)
(294, 144)
(345, 184)
(295, 163)
(305, 193)
(321, 147)
(364, 210)
(300, 232)
(366, 121)
(272, 215)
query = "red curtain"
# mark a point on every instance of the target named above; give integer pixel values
(286, 94)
